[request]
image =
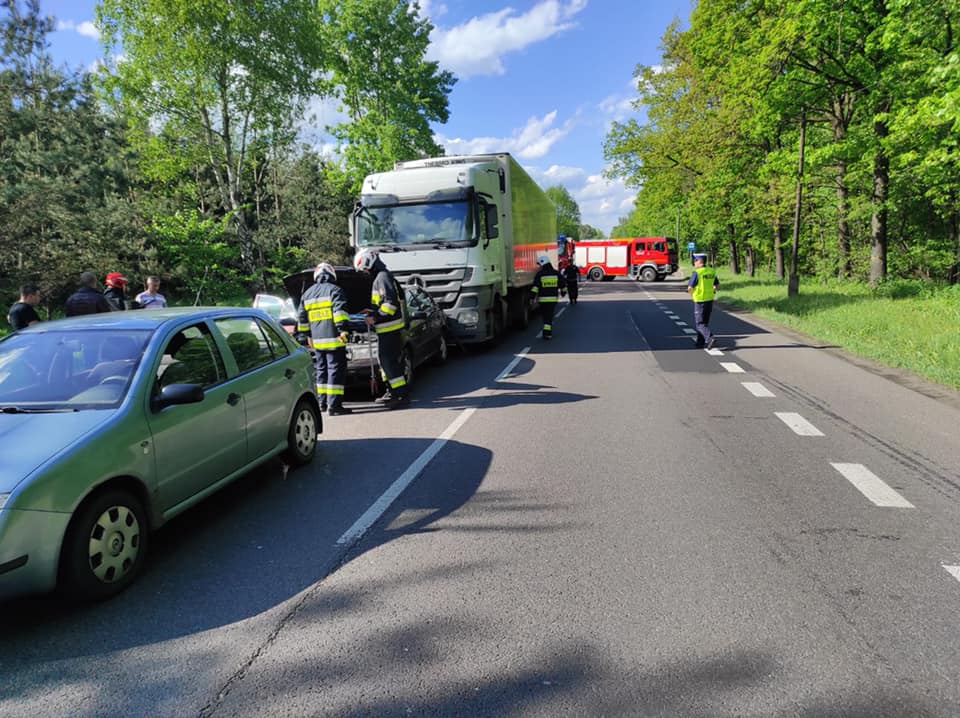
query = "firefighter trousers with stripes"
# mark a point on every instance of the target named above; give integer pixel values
(546, 311)
(331, 366)
(390, 354)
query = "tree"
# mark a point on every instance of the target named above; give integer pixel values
(205, 80)
(388, 89)
(588, 232)
(64, 181)
(568, 211)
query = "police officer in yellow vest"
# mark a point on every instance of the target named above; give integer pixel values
(546, 288)
(323, 313)
(702, 288)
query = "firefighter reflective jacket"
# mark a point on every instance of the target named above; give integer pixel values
(547, 285)
(323, 313)
(386, 301)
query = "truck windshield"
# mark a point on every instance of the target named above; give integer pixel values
(439, 224)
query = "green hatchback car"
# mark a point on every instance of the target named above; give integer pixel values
(112, 424)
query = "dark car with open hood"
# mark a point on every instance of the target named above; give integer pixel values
(425, 336)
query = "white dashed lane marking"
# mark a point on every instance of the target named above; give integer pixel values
(799, 425)
(757, 389)
(714, 352)
(512, 365)
(732, 367)
(689, 331)
(681, 324)
(872, 486)
(953, 571)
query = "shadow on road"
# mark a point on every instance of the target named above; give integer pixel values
(244, 551)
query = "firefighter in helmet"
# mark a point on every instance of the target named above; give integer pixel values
(546, 288)
(385, 316)
(323, 314)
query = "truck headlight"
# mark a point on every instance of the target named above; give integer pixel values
(3, 500)
(469, 318)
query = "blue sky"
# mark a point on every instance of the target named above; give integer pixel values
(541, 79)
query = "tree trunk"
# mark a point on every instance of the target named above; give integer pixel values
(779, 239)
(881, 190)
(845, 267)
(953, 231)
(840, 120)
(793, 282)
(734, 250)
(751, 261)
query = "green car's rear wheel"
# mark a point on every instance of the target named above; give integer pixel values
(302, 436)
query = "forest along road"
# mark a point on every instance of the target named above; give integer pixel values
(612, 523)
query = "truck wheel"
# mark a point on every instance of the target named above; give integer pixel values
(521, 310)
(498, 321)
(595, 274)
(648, 274)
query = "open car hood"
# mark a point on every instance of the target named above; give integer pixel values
(355, 284)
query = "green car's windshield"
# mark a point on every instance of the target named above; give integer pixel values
(68, 369)
(433, 225)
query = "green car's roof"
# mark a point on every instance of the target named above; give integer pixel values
(143, 319)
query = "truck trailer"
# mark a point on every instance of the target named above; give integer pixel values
(646, 258)
(468, 229)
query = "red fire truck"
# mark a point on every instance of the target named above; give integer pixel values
(645, 258)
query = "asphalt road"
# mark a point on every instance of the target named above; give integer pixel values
(619, 525)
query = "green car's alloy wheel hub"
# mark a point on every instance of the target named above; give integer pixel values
(114, 544)
(305, 431)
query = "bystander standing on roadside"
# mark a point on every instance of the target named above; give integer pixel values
(571, 273)
(116, 291)
(151, 298)
(22, 314)
(87, 299)
(702, 287)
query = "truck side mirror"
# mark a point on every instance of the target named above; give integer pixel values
(493, 218)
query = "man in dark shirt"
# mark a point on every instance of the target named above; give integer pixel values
(22, 314)
(87, 300)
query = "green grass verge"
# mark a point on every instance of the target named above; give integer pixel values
(907, 324)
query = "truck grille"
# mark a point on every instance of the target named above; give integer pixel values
(441, 284)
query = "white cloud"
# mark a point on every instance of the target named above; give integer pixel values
(477, 47)
(603, 202)
(561, 173)
(530, 142)
(85, 28)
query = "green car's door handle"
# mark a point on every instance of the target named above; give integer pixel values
(233, 399)
(289, 373)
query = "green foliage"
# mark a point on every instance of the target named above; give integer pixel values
(184, 162)
(389, 91)
(589, 232)
(568, 211)
(879, 86)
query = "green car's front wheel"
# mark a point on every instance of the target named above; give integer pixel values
(104, 547)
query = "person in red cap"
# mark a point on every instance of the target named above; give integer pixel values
(116, 291)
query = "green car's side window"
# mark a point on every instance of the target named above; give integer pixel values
(191, 357)
(247, 343)
(276, 344)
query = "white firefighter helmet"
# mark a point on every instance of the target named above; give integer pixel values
(325, 268)
(543, 260)
(365, 259)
